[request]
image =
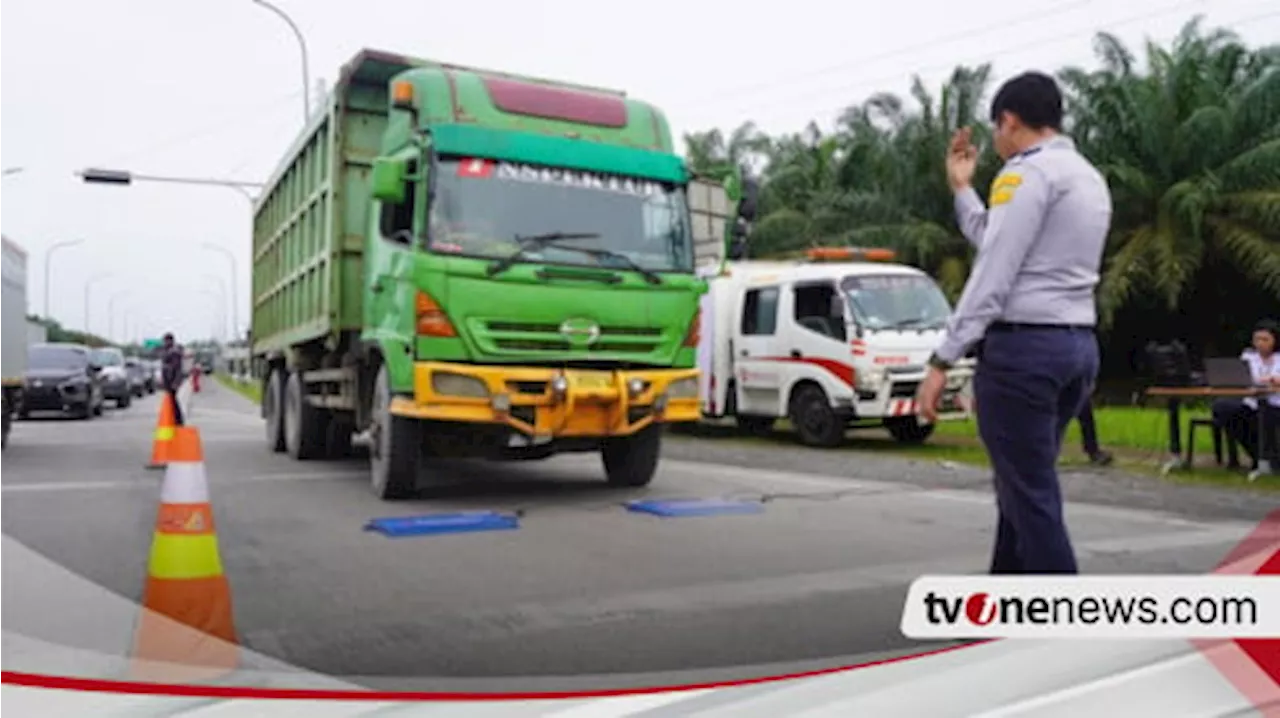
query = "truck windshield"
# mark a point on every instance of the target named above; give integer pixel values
(896, 301)
(53, 357)
(482, 205)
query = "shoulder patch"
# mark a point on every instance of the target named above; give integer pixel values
(1003, 187)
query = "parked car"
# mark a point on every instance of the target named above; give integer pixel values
(137, 376)
(63, 378)
(115, 376)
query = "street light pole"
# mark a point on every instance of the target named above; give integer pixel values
(98, 175)
(220, 315)
(111, 312)
(87, 286)
(302, 45)
(48, 256)
(235, 295)
(222, 292)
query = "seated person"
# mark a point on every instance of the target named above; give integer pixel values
(1239, 417)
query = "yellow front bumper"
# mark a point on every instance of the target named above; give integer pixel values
(549, 403)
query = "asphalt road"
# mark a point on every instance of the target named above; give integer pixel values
(583, 587)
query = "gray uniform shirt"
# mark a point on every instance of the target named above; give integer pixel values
(1039, 245)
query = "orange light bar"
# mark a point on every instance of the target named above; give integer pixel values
(402, 93)
(431, 319)
(872, 254)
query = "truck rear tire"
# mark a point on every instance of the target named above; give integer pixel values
(305, 425)
(631, 461)
(814, 419)
(908, 430)
(396, 446)
(272, 398)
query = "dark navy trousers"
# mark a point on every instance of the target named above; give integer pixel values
(1029, 385)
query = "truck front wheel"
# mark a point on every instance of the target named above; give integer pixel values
(395, 446)
(272, 398)
(632, 460)
(304, 424)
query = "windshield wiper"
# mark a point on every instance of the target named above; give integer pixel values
(534, 242)
(914, 323)
(550, 239)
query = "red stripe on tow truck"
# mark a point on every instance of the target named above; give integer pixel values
(842, 371)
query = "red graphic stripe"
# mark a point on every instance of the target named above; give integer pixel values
(842, 371)
(93, 685)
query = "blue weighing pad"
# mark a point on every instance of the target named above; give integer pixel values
(674, 508)
(432, 524)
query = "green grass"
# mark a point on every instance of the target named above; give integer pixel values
(1119, 427)
(250, 390)
(1137, 438)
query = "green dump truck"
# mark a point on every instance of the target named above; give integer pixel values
(462, 262)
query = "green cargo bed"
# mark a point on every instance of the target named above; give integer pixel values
(309, 223)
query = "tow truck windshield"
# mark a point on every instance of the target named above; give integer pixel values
(881, 302)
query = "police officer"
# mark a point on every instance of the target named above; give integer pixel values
(1028, 310)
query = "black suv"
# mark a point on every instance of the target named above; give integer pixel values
(62, 378)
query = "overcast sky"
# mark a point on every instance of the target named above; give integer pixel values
(212, 88)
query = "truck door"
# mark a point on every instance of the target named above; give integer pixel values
(757, 369)
(817, 335)
(390, 266)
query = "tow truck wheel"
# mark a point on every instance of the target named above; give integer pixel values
(908, 430)
(305, 425)
(815, 421)
(395, 448)
(272, 397)
(632, 460)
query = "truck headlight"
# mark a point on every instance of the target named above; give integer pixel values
(686, 388)
(450, 384)
(872, 380)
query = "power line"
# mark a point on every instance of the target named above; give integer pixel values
(242, 115)
(926, 45)
(990, 57)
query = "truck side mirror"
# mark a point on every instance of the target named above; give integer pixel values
(389, 180)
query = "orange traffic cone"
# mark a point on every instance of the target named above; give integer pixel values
(165, 425)
(187, 632)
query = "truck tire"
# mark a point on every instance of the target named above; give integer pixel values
(305, 425)
(272, 399)
(396, 446)
(632, 461)
(814, 419)
(908, 430)
(337, 440)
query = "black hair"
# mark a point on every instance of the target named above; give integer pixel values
(168, 336)
(1034, 97)
(1269, 325)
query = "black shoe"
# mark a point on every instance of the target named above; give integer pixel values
(1102, 458)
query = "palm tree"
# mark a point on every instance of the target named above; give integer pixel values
(1191, 150)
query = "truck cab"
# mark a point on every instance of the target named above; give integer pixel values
(838, 340)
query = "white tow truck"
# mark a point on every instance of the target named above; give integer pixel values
(834, 341)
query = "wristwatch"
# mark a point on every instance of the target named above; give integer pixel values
(937, 362)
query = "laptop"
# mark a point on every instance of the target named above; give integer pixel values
(1228, 373)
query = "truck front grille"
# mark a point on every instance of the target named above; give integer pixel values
(530, 337)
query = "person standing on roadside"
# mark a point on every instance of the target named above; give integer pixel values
(1028, 311)
(171, 373)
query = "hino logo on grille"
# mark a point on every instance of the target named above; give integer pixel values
(582, 332)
